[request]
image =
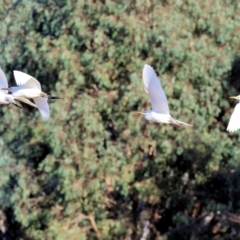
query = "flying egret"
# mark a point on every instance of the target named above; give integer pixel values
(160, 110)
(6, 98)
(234, 123)
(29, 87)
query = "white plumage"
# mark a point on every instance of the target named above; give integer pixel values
(43, 107)
(234, 122)
(3, 81)
(154, 90)
(27, 80)
(160, 110)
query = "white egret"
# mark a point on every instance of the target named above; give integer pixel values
(29, 87)
(234, 122)
(6, 98)
(160, 110)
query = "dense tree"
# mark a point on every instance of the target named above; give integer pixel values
(97, 170)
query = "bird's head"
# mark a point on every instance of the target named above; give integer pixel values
(236, 97)
(147, 114)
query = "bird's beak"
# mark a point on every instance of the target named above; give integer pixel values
(141, 113)
(8, 89)
(233, 97)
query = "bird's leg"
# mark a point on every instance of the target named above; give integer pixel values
(140, 113)
(176, 124)
(17, 105)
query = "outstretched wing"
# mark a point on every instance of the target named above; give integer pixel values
(26, 80)
(154, 90)
(3, 81)
(234, 122)
(43, 107)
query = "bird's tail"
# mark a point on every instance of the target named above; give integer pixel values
(180, 124)
(17, 104)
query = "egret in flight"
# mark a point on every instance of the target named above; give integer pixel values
(29, 87)
(234, 123)
(160, 110)
(6, 98)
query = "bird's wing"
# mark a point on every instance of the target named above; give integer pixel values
(154, 90)
(3, 81)
(26, 80)
(234, 122)
(43, 107)
(25, 100)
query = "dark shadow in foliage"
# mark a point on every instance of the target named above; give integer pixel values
(189, 161)
(14, 231)
(233, 76)
(121, 201)
(37, 152)
(192, 161)
(51, 185)
(196, 230)
(224, 188)
(223, 221)
(217, 187)
(114, 134)
(183, 233)
(217, 228)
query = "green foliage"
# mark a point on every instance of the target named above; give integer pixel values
(97, 170)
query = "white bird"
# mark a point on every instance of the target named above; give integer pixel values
(234, 122)
(6, 98)
(160, 110)
(29, 87)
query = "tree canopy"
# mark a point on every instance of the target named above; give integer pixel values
(96, 170)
